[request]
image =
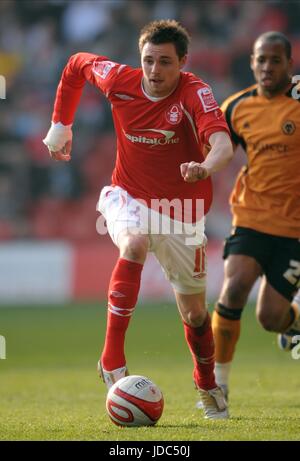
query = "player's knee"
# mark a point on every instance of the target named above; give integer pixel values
(269, 322)
(195, 318)
(236, 292)
(134, 247)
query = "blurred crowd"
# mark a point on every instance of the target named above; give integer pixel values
(40, 198)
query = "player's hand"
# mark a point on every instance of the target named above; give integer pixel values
(59, 142)
(63, 155)
(193, 171)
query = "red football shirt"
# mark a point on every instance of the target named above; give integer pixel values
(154, 136)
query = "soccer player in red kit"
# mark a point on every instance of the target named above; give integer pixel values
(171, 136)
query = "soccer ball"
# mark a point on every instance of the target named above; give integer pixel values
(134, 401)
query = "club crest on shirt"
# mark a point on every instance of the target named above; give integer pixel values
(288, 127)
(207, 99)
(103, 68)
(174, 114)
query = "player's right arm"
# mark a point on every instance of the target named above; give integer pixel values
(81, 68)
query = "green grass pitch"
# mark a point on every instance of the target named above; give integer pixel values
(49, 389)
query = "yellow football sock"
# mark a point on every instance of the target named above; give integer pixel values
(226, 334)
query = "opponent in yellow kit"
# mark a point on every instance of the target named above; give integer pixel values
(265, 242)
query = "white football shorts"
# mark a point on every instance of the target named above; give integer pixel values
(179, 247)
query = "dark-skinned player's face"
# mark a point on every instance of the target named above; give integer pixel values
(271, 67)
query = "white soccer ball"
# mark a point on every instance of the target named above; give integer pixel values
(134, 401)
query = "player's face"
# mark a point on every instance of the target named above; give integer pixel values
(272, 69)
(161, 68)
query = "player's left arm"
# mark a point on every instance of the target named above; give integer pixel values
(212, 130)
(220, 154)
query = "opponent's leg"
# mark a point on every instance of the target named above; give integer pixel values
(290, 337)
(276, 313)
(241, 272)
(278, 307)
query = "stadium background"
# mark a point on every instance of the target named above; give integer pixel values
(49, 248)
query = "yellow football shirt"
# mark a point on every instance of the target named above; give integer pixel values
(266, 195)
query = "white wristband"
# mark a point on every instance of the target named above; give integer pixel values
(58, 136)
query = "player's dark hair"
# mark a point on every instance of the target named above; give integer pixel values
(166, 31)
(274, 36)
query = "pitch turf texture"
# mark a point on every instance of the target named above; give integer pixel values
(49, 389)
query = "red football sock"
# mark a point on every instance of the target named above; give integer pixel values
(201, 344)
(122, 297)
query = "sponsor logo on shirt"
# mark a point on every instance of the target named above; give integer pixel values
(103, 68)
(260, 148)
(167, 137)
(174, 114)
(207, 99)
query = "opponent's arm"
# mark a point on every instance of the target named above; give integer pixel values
(220, 154)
